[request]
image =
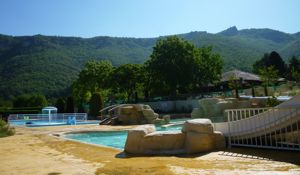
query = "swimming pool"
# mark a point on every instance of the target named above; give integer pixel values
(115, 139)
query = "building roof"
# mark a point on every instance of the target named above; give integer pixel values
(239, 75)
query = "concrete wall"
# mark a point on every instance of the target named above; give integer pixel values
(174, 106)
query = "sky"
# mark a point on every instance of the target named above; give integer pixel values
(144, 18)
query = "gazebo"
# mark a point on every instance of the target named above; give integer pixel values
(240, 75)
(244, 79)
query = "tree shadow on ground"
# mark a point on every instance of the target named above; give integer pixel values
(125, 155)
(292, 157)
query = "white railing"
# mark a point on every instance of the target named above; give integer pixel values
(50, 118)
(276, 128)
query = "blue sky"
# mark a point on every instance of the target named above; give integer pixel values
(144, 18)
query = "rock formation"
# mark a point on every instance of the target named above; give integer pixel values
(196, 136)
(213, 108)
(133, 114)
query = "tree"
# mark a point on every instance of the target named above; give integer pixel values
(173, 63)
(95, 75)
(38, 100)
(21, 101)
(295, 74)
(60, 104)
(30, 100)
(268, 60)
(70, 105)
(259, 64)
(293, 69)
(95, 105)
(209, 67)
(268, 76)
(126, 78)
(234, 84)
(80, 108)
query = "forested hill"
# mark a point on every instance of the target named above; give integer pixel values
(49, 64)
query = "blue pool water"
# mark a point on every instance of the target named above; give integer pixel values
(114, 139)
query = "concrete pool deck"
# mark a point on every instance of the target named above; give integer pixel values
(35, 151)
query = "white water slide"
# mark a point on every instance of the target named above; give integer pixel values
(275, 128)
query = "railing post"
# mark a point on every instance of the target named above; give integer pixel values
(229, 132)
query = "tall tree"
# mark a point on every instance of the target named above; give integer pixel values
(95, 75)
(268, 75)
(293, 69)
(95, 105)
(61, 105)
(70, 105)
(268, 60)
(173, 62)
(209, 67)
(234, 84)
(125, 78)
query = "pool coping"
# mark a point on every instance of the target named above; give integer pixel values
(62, 136)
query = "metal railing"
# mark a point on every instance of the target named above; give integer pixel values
(276, 128)
(48, 118)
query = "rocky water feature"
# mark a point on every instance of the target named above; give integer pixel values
(196, 136)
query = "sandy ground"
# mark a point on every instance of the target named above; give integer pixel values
(34, 151)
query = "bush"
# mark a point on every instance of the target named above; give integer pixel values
(30, 100)
(5, 129)
(271, 102)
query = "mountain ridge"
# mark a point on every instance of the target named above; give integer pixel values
(28, 63)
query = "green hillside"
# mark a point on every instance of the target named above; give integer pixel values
(49, 64)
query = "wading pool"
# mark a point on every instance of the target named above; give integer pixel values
(115, 139)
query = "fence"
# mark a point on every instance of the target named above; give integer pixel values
(275, 128)
(48, 118)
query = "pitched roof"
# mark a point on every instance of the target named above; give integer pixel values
(239, 75)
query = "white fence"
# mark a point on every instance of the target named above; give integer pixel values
(276, 128)
(50, 118)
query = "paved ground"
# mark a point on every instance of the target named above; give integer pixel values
(34, 151)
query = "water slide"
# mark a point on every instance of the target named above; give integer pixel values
(277, 127)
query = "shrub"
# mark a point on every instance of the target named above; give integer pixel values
(30, 100)
(271, 102)
(5, 129)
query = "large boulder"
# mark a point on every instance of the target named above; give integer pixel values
(129, 115)
(219, 140)
(134, 141)
(132, 114)
(145, 140)
(163, 142)
(199, 126)
(213, 108)
(199, 142)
